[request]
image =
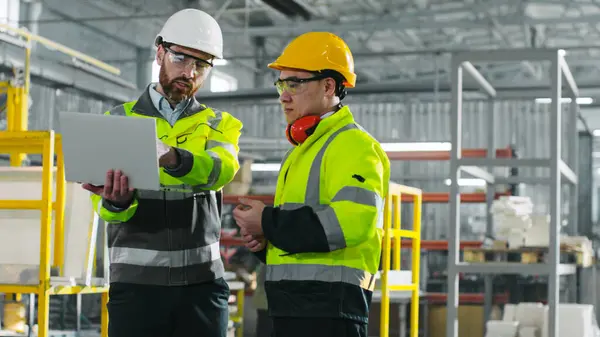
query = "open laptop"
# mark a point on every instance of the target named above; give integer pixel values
(94, 144)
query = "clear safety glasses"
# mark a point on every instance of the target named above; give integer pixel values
(295, 85)
(184, 61)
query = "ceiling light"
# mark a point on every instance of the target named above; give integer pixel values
(266, 167)
(471, 182)
(579, 100)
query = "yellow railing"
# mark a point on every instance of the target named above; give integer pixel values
(46, 143)
(16, 116)
(392, 230)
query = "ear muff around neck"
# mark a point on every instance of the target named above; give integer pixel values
(298, 131)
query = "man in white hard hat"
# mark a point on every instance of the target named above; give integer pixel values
(166, 271)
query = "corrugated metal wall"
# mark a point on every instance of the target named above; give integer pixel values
(47, 102)
(523, 124)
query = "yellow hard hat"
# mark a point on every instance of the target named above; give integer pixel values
(316, 51)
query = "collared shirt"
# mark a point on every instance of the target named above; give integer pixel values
(162, 105)
(325, 115)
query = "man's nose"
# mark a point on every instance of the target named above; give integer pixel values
(189, 70)
(285, 97)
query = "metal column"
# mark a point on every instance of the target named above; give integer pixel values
(472, 166)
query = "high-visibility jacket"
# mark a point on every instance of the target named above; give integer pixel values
(171, 237)
(325, 230)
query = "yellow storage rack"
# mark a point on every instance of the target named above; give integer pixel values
(48, 144)
(392, 229)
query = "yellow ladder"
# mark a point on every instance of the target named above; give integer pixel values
(392, 230)
(48, 144)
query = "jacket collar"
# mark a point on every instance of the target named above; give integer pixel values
(335, 121)
(144, 106)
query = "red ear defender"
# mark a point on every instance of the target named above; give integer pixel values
(302, 128)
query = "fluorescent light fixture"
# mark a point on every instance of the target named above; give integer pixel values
(471, 182)
(596, 133)
(579, 100)
(266, 167)
(416, 146)
(220, 62)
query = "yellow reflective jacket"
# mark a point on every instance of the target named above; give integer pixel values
(171, 237)
(325, 230)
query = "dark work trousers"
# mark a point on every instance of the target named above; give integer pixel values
(198, 310)
(264, 323)
(317, 327)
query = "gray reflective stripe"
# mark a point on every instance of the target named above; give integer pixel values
(183, 188)
(290, 206)
(229, 147)
(215, 121)
(146, 194)
(215, 172)
(316, 272)
(332, 227)
(173, 192)
(285, 156)
(380, 208)
(357, 195)
(119, 110)
(173, 259)
(327, 217)
(313, 188)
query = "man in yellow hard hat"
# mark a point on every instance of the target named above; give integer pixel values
(321, 241)
(166, 271)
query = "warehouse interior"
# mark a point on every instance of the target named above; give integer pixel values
(484, 76)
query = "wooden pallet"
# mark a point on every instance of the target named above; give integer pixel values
(526, 255)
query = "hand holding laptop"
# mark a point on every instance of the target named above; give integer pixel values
(115, 189)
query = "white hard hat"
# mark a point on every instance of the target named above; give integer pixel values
(195, 29)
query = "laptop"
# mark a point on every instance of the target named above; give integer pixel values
(96, 143)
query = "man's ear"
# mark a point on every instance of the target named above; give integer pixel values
(330, 86)
(160, 54)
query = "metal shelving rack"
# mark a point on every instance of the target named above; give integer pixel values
(559, 71)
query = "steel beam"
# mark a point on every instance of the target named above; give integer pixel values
(479, 173)
(456, 78)
(403, 22)
(568, 77)
(555, 195)
(485, 85)
(65, 76)
(488, 280)
(110, 36)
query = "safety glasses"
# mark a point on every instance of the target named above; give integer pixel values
(182, 60)
(295, 85)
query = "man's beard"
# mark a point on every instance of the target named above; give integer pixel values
(173, 93)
